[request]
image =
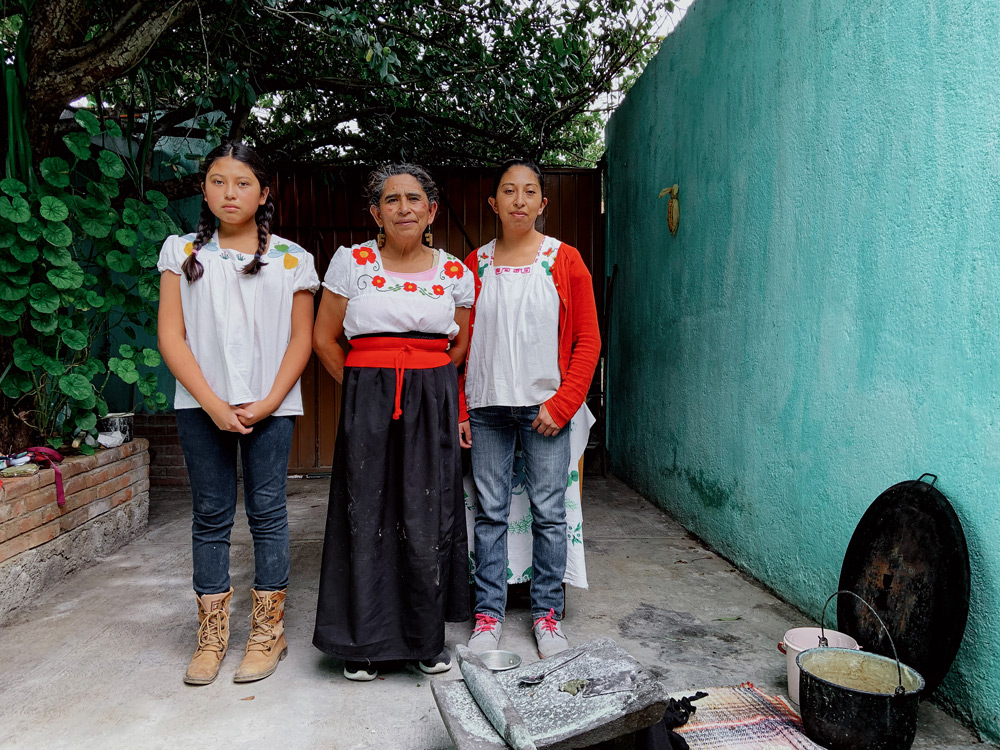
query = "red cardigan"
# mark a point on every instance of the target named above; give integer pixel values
(579, 334)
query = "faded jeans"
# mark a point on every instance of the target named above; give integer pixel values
(210, 455)
(494, 430)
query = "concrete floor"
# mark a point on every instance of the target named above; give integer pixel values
(97, 660)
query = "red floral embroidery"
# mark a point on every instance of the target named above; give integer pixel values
(364, 255)
(454, 269)
(378, 282)
(437, 289)
(409, 286)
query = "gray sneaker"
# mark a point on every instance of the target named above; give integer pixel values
(486, 634)
(549, 636)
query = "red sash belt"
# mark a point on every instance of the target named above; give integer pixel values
(401, 354)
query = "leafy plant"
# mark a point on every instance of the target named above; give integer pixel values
(77, 268)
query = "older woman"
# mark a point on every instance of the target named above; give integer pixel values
(395, 564)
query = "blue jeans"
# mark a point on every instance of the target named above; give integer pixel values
(494, 429)
(210, 455)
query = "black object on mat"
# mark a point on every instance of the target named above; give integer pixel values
(661, 736)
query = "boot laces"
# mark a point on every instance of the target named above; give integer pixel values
(485, 623)
(210, 631)
(261, 627)
(549, 623)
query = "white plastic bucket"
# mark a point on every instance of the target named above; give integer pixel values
(798, 640)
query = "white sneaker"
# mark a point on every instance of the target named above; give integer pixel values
(486, 634)
(549, 636)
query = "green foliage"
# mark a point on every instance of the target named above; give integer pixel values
(338, 81)
(70, 273)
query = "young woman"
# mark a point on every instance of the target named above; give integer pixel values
(534, 347)
(235, 329)
(395, 557)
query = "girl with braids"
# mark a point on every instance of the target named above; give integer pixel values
(235, 329)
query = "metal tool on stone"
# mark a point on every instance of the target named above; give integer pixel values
(537, 678)
(490, 696)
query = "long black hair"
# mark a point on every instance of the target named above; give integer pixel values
(207, 221)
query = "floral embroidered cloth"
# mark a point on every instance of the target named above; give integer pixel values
(379, 302)
(238, 326)
(519, 524)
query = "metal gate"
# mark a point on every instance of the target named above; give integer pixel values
(324, 209)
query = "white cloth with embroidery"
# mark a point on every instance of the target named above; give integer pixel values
(514, 354)
(238, 326)
(378, 302)
(519, 520)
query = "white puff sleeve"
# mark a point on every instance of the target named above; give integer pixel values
(306, 278)
(172, 255)
(338, 275)
(464, 290)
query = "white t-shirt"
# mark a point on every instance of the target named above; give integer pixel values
(514, 354)
(378, 302)
(238, 326)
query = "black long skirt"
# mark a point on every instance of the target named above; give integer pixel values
(395, 556)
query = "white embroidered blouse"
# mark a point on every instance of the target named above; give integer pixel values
(380, 302)
(238, 326)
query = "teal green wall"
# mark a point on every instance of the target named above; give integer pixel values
(826, 321)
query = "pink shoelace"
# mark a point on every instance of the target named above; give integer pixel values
(549, 622)
(485, 623)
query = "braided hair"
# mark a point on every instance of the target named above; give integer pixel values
(207, 220)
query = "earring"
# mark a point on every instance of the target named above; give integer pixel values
(380, 238)
(428, 237)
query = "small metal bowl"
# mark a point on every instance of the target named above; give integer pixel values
(498, 661)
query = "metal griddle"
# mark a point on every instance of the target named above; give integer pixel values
(909, 560)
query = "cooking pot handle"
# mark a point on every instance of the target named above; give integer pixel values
(781, 647)
(823, 642)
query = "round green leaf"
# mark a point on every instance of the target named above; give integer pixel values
(12, 311)
(58, 234)
(86, 422)
(113, 128)
(16, 209)
(53, 366)
(153, 229)
(88, 121)
(78, 144)
(96, 225)
(44, 298)
(7, 239)
(110, 185)
(74, 339)
(126, 237)
(94, 299)
(13, 187)
(55, 171)
(121, 262)
(131, 216)
(151, 357)
(11, 293)
(57, 256)
(158, 199)
(53, 209)
(75, 386)
(45, 324)
(67, 277)
(9, 264)
(149, 287)
(30, 230)
(148, 255)
(111, 164)
(25, 253)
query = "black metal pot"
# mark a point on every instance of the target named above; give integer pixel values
(852, 700)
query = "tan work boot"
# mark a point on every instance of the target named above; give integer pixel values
(266, 644)
(213, 638)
